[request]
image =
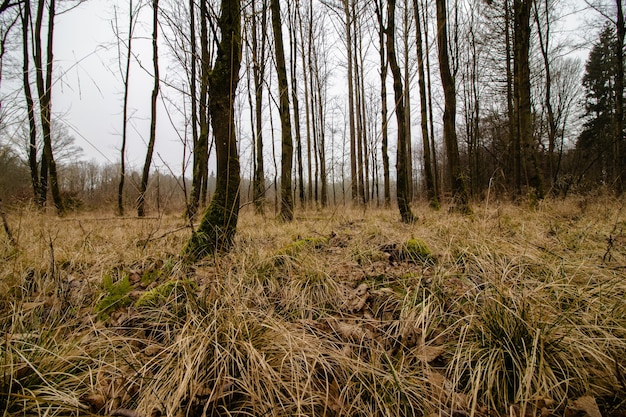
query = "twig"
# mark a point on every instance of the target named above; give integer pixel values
(108, 219)
(52, 262)
(6, 225)
(151, 239)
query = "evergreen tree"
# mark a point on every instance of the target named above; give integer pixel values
(597, 143)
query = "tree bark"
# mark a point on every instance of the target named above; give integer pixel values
(459, 188)
(201, 146)
(7, 229)
(296, 105)
(259, 73)
(141, 211)
(44, 87)
(523, 111)
(401, 164)
(286, 206)
(353, 163)
(431, 119)
(383, 103)
(219, 222)
(307, 108)
(514, 139)
(30, 105)
(321, 142)
(619, 102)
(407, 94)
(192, 205)
(126, 75)
(431, 192)
(544, 44)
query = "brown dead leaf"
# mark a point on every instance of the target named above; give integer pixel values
(95, 401)
(429, 353)
(583, 407)
(437, 384)
(152, 350)
(334, 401)
(353, 300)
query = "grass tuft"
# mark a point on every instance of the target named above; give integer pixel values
(521, 311)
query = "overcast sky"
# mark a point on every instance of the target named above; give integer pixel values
(88, 92)
(87, 95)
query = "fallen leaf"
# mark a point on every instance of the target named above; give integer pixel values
(584, 407)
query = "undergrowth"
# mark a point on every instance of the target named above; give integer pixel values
(511, 311)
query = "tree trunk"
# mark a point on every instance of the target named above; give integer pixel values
(407, 99)
(321, 143)
(286, 206)
(126, 75)
(201, 145)
(7, 229)
(141, 211)
(459, 188)
(428, 170)
(219, 222)
(431, 119)
(619, 102)
(522, 96)
(44, 87)
(305, 78)
(544, 44)
(514, 171)
(192, 205)
(401, 164)
(30, 106)
(359, 114)
(259, 73)
(353, 163)
(314, 117)
(383, 103)
(296, 107)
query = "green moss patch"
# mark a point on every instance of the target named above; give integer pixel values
(116, 295)
(294, 248)
(168, 291)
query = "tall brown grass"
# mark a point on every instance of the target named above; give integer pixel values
(515, 311)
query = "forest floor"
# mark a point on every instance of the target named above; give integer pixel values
(514, 310)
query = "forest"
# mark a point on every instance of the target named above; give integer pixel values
(370, 103)
(343, 208)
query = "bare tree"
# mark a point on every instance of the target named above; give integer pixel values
(7, 4)
(30, 104)
(201, 144)
(258, 62)
(406, 33)
(317, 68)
(141, 211)
(401, 164)
(125, 73)
(359, 97)
(286, 206)
(431, 191)
(296, 104)
(219, 222)
(455, 172)
(619, 102)
(522, 96)
(48, 167)
(351, 92)
(383, 100)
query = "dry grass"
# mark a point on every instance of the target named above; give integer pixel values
(517, 311)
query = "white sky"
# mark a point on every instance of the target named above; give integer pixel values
(88, 89)
(88, 95)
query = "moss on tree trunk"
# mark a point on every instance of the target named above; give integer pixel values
(219, 222)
